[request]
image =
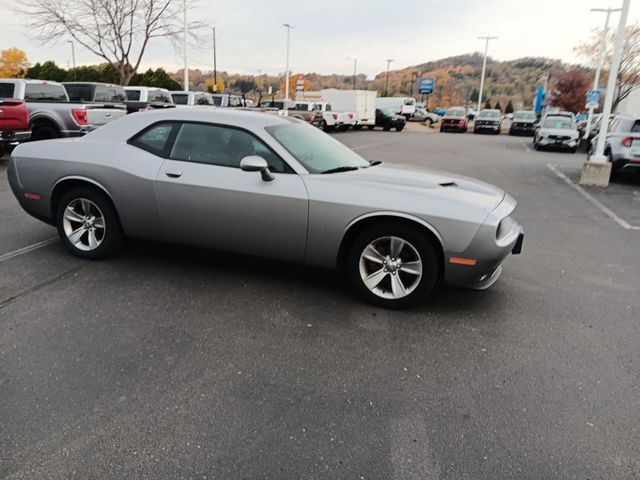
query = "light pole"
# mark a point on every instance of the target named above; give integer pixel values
(355, 66)
(286, 79)
(598, 169)
(73, 59)
(603, 49)
(215, 68)
(386, 83)
(185, 79)
(484, 67)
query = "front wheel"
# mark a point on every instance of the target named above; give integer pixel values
(370, 127)
(88, 224)
(428, 122)
(399, 129)
(357, 127)
(392, 265)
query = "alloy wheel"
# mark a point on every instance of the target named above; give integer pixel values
(84, 224)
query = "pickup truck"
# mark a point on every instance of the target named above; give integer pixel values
(228, 100)
(51, 114)
(330, 120)
(141, 99)
(190, 99)
(14, 122)
(308, 112)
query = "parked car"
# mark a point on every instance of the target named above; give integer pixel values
(423, 115)
(141, 99)
(51, 114)
(557, 131)
(388, 119)
(440, 111)
(455, 118)
(488, 120)
(401, 105)
(269, 186)
(523, 123)
(622, 145)
(231, 100)
(189, 99)
(309, 112)
(14, 122)
(361, 104)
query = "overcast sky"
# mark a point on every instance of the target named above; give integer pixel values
(251, 36)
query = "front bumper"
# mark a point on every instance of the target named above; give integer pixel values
(480, 264)
(558, 142)
(14, 136)
(486, 126)
(522, 129)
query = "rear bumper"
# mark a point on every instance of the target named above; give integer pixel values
(14, 136)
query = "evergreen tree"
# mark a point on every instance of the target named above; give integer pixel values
(498, 106)
(487, 104)
(509, 108)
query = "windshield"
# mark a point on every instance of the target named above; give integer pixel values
(180, 98)
(558, 122)
(489, 114)
(524, 116)
(455, 113)
(315, 150)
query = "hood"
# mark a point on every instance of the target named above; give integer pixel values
(425, 182)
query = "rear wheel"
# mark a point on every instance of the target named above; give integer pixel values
(392, 265)
(386, 128)
(44, 131)
(357, 127)
(88, 223)
(399, 128)
(370, 127)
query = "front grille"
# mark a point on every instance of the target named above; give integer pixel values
(561, 137)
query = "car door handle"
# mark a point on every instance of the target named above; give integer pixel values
(173, 173)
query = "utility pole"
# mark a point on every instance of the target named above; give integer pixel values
(186, 66)
(355, 66)
(215, 68)
(484, 68)
(286, 79)
(386, 84)
(73, 59)
(603, 49)
(414, 76)
(597, 170)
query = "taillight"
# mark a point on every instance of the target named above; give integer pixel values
(350, 116)
(627, 141)
(335, 116)
(80, 116)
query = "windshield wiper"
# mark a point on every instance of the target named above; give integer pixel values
(344, 168)
(373, 163)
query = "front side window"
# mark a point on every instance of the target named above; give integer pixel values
(222, 146)
(45, 92)
(155, 138)
(133, 95)
(317, 151)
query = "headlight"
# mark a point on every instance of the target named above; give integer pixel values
(505, 227)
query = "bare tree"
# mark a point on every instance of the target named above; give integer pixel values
(119, 31)
(629, 73)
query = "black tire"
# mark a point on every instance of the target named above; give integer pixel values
(573, 150)
(371, 127)
(399, 129)
(428, 122)
(475, 131)
(112, 236)
(412, 235)
(44, 131)
(386, 128)
(357, 127)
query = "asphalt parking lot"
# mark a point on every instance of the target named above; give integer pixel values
(170, 362)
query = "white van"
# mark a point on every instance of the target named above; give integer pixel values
(402, 105)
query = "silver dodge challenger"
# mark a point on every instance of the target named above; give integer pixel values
(269, 186)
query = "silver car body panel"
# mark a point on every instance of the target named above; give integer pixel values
(299, 216)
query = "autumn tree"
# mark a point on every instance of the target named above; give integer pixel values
(219, 85)
(13, 63)
(629, 72)
(570, 90)
(118, 31)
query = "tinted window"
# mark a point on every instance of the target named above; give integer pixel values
(45, 92)
(302, 107)
(635, 128)
(203, 99)
(524, 116)
(217, 100)
(133, 95)
(109, 93)
(180, 98)
(79, 93)
(6, 90)
(158, 96)
(154, 138)
(223, 146)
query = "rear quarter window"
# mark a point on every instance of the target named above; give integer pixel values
(7, 90)
(155, 138)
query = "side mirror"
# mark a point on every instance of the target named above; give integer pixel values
(255, 163)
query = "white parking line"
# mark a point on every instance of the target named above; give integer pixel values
(608, 212)
(375, 144)
(27, 249)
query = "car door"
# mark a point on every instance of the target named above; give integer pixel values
(206, 199)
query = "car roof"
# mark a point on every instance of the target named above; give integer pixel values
(29, 80)
(92, 83)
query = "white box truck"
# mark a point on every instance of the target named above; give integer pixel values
(360, 102)
(401, 105)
